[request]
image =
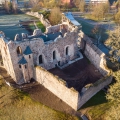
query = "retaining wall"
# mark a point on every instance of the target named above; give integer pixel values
(45, 22)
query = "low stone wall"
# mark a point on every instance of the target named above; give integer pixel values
(69, 95)
(57, 86)
(90, 92)
(45, 22)
(93, 53)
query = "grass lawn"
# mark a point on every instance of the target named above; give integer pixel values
(17, 105)
(91, 17)
(96, 107)
(87, 29)
(39, 25)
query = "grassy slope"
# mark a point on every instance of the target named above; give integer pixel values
(16, 105)
(96, 107)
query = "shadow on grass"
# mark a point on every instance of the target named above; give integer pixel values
(87, 29)
(97, 99)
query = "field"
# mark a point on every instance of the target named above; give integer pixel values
(17, 105)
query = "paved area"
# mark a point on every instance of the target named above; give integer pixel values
(78, 74)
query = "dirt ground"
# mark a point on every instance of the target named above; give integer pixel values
(78, 74)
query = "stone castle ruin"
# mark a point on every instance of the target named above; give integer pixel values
(30, 56)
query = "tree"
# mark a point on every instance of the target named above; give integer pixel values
(77, 3)
(117, 18)
(35, 5)
(6, 5)
(55, 16)
(113, 113)
(14, 6)
(114, 91)
(82, 5)
(113, 96)
(100, 10)
(97, 31)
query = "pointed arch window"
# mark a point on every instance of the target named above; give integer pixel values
(67, 50)
(19, 50)
(40, 59)
(54, 55)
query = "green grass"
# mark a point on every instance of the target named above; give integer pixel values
(87, 29)
(17, 105)
(96, 107)
(91, 17)
(39, 25)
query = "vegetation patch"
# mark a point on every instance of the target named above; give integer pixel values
(39, 25)
(17, 105)
(96, 107)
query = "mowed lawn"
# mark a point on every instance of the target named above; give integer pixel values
(97, 107)
(87, 29)
(17, 105)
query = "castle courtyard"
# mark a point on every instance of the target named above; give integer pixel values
(78, 74)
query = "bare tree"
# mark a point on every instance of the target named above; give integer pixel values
(35, 4)
(6, 6)
(14, 6)
(97, 31)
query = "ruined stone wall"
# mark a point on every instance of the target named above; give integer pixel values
(45, 22)
(93, 53)
(39, 47)
(70, 96)
(7, 62)
(90, 92)
(56, 28)
(57, 86)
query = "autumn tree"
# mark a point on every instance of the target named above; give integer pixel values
(117, 18)
(80, 4)
(113, 96)
(55, 16)
(100, 10)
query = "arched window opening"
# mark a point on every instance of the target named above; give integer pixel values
(66, 50)
(29, 56)
(40, 59)
(19, 66)
(19, 50)
(25, 66)
(54, 55)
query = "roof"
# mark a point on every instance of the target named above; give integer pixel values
(50, 36)
(71, 18)
(27, 51)
(22, 61)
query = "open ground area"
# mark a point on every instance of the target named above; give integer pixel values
(78, 74)
(18, 105)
